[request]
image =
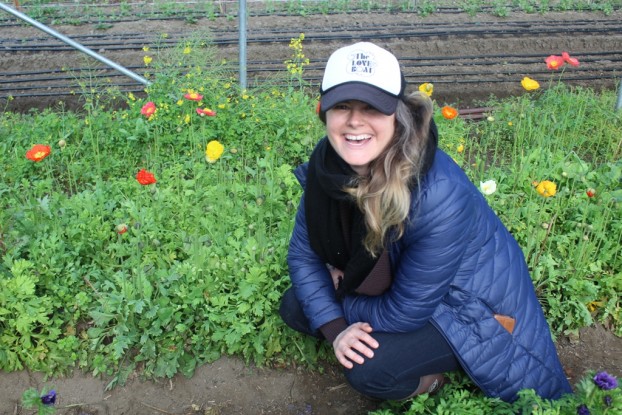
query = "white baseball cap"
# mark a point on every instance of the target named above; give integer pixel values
(363, 72)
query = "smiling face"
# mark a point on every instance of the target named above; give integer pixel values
(359, 133)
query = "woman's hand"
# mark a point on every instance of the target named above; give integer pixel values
(336, 274)
(353, 343)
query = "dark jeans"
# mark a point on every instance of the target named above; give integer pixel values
(398, 364)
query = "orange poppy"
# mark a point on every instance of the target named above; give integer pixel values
(449, 112)
(38, 152)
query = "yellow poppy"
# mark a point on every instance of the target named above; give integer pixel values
(529, 84)
(546, 188)
(213, 151)
(427, 88)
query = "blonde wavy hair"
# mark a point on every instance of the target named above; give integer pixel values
(384, 195)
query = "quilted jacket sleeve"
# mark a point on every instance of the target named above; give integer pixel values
(427, 260)
(310, 277)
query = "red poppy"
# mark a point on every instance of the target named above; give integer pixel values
(193, 96)
(554, 62)
(449, 112)
(121, 228)
(38, 152)
(148, 109)
(206, 112)
(570, 60)
(318, 107)
(145, 177)
(590, 192)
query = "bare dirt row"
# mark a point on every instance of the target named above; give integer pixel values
(466, 58)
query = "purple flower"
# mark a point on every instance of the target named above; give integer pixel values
(605, 381)
(582, 410)
(608, 400)
(49, 398)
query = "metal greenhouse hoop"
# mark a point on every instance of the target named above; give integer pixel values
(74, 44)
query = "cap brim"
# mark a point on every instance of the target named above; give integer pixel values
(380, 100)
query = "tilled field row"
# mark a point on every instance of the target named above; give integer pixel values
(469, 59)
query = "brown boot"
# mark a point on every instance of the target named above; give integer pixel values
(429, 384)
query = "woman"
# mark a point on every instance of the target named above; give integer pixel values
(396, 258)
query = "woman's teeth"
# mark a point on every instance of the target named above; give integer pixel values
(357, 137)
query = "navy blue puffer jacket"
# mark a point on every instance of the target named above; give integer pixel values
(456, 266)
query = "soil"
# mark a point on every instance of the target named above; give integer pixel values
(467, 58)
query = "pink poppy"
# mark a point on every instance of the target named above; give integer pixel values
(554, 62)
(206, 112)
(570, 60)
(148, 109)
(193, 96)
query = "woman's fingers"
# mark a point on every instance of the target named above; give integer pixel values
(336, 274)
(354, 344)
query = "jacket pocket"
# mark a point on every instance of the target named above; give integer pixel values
(471, 309)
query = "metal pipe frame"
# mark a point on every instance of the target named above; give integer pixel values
(74, 44)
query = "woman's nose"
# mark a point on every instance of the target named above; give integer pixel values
(356, 117)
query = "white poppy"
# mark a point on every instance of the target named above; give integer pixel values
(488, 187)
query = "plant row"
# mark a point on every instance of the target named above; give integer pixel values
(104, 13)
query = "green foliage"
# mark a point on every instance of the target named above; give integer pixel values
(500, 8)
(26, 326)
(472, 7)
(31, 399)
(425, 8)
(199, 268)
(526, 6)
(460, 396)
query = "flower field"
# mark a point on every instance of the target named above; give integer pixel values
(153, 237)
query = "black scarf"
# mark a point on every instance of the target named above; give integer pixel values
(335, 224)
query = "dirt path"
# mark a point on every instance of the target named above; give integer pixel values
(466, 58)
(229, 387)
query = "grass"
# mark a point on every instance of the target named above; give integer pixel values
(102, 273)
